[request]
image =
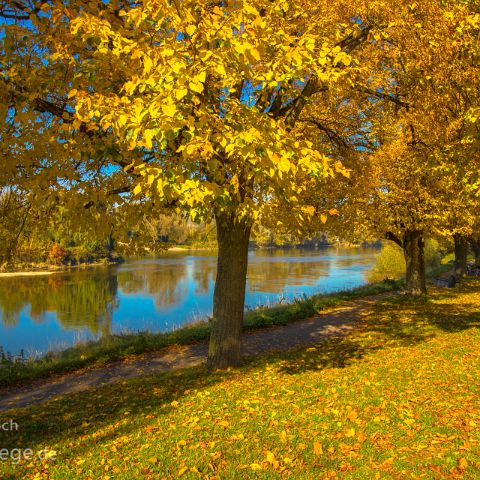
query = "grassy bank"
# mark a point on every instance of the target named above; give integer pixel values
(397, 398)
(115, 347)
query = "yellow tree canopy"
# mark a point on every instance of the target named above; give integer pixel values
(417, 165)
(200, 101)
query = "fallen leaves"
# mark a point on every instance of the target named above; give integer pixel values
(390, 414)
(317, 448)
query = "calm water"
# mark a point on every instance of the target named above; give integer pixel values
(51, 312)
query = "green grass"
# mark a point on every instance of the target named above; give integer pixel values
(115, 347)
(398, 398)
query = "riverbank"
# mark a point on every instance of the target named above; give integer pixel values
(115, 347)
(187, 248)
(397, 397)
(47, 269)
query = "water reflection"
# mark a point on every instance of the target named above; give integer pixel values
(42, 312)
(79, 301)
(166, 285)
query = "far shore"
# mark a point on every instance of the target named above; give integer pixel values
(51, 269)
(187, 249)
(29, 273)
(42, 270)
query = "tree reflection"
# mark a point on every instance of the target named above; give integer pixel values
(204, 275)
(79, 300)
(274, 277)
(166, 283)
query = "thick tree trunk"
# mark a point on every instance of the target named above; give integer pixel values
(461, 250)
(475, 244)
(229, 295)
(413, 250)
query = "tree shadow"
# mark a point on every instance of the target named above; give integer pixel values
(99, 408)
(399, 321)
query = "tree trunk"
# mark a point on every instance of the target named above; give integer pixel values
(413, 250)
(461, 250)
(229, 295)
(475, 244)
(110, 245)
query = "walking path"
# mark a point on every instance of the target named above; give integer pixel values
(297, 334)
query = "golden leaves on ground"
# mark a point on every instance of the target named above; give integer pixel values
(396, 398)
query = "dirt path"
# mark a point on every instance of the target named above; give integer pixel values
(297, 334)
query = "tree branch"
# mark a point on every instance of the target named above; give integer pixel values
(391, 236)
(292, 111)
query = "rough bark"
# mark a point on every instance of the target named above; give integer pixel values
(461, 251)
(413, 250)
(229, 295)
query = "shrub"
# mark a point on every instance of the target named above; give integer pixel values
(389, 264)
(81, 254)
(57, 255)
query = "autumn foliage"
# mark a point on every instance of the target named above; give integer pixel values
(57, 254)
(358, 115)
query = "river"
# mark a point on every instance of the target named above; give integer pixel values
(42, 313)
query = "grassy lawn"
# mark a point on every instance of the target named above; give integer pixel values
(115, 347)
(398, 398)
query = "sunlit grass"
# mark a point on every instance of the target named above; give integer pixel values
(397, 398)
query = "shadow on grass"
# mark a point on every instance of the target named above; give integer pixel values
(100, 408)
(394, 322)
(399, 321)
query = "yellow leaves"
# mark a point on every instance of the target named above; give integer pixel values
(342, 59)
(317, 448)
(350, 432)
(196, 87)
(250, 10)
(176, 66)
(340, 168)
(462, 464)
(220, 69)
(147, 64)
(181, 93)
(181, 471)
(169, 109)
(254, 53)
(309, 210)
(191, 29)
(270, 458)
(409, 421)
(284, 165)
(255, 467)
